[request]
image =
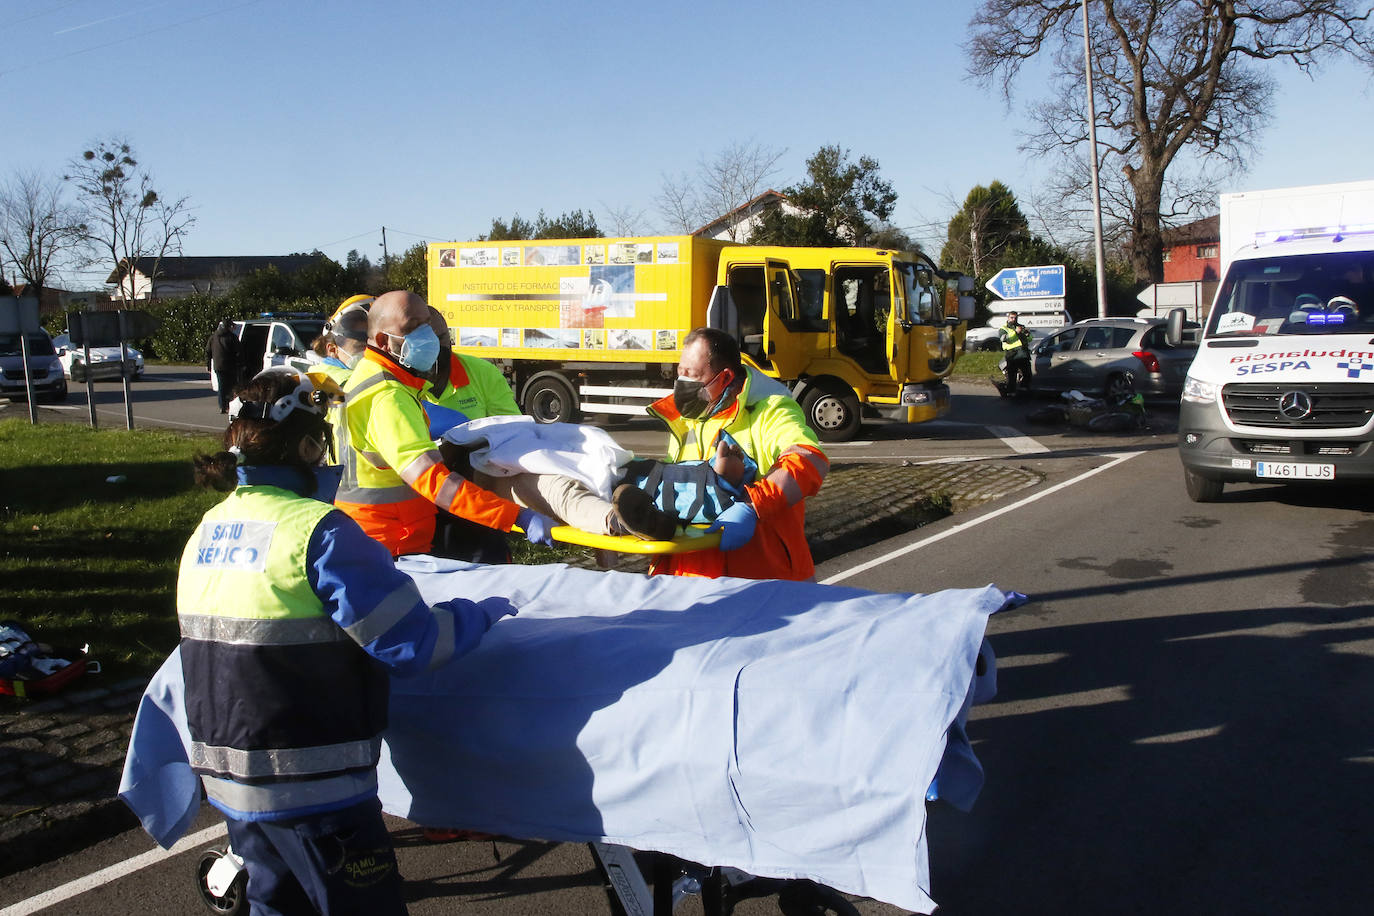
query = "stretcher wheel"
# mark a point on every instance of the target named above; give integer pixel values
(235, 899)
(807, 898)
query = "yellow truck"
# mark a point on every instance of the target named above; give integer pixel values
(595, 326)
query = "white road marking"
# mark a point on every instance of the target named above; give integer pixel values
(964, 526)
(112, 873)
(1022, 445)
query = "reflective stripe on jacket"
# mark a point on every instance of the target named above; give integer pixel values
(770, 428)
(285, 709)
(393, 474)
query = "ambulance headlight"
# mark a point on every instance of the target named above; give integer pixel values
(1196, 391)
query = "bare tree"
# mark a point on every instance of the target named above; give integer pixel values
(38, 227)
(677, 203)
(623, 221)
(126, 218)
(722, 184)
(1177, 83)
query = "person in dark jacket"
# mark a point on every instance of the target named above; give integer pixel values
(222, 357)
(292, 620)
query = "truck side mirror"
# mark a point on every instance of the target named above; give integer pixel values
(967, 306)
(1173, 328)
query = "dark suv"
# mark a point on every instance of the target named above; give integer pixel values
(1109, 355)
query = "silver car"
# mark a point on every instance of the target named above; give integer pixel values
(1111, 356)
(45, 370)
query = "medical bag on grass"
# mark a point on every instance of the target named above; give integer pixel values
(29, 668)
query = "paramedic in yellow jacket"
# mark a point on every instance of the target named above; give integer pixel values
(394, 476)
(763, 536)
(463, 388)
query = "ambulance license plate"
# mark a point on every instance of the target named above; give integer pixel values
(1295, 470)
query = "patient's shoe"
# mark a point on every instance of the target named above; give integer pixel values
(633, 512)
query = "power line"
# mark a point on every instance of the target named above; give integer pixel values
(48, 60)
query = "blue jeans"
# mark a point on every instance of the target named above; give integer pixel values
(338, 862)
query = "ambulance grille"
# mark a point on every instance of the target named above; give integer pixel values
(1334, 406)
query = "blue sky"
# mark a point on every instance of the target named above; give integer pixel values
(294, 126)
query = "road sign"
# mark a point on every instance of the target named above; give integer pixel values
(102, 329)
(1028, 282)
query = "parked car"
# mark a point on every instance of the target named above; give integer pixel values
(45, 369)
(104, 362)
(979, 339)
(1109, 355)
(276, 339)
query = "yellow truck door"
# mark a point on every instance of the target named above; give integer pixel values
(783, 348)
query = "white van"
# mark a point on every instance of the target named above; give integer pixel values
(276, 339)
(1282, 387)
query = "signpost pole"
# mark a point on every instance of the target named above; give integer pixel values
(1099, 254)
(123, 373)
(86, 362)
(28, 376)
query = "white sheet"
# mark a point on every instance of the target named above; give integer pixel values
(518, 445)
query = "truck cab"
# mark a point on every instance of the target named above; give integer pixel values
(854, 330)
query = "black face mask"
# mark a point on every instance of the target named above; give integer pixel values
(689, 399)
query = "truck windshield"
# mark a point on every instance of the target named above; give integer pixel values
(1326, 293)
(919, 293)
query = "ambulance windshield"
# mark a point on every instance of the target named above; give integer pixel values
(1327, 293)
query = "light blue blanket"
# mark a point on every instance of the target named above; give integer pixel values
(787, 729)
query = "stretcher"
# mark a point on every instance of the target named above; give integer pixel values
(694, 537)
(786, 735)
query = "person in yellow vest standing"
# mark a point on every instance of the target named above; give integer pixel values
(340, 346)
(1016, 342)
(463, 388)
(394, 476)
(291, 619)
(723, 412)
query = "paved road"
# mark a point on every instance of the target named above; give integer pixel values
(1184, 713)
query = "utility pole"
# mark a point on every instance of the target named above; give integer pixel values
(1099, 253)
(385, 258)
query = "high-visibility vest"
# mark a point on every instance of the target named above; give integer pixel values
(769, 427)
(393, 474)
(1011, 340)
(285, 710)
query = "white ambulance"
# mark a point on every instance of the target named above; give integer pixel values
(1282, 387)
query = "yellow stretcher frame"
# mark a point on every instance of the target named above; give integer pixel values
(692, 539)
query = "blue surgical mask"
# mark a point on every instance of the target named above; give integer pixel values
(419, 349)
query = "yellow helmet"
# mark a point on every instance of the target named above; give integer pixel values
(350, 318)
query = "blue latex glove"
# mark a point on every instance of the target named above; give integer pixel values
(736, 526)
(496, 608)
(538, 528)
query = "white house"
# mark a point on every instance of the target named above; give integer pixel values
(182, 276)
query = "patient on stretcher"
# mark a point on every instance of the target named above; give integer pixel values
(591, 484)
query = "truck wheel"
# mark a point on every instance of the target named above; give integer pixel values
(832, 411)
(550, 399)
(1201, 489)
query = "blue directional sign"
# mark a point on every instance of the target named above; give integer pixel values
(1028, 282)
